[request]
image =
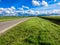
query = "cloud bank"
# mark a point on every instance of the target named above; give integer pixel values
(14, 12)
(36, 3)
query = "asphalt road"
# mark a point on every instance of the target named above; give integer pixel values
(4, 26)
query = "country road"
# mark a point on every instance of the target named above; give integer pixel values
(4, 26)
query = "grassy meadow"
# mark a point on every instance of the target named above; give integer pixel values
(8, 18)
(35, 31)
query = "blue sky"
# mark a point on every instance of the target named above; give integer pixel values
(19, 3)
(10, 6)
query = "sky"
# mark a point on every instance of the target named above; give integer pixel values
(29, 3)
(29, 6)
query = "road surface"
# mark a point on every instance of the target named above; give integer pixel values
(4, 26)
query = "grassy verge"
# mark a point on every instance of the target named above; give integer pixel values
(36, 31)
(52, 17)
(8, 18)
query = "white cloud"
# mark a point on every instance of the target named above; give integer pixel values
(1, 8)
(12, 7)
(30, 12)
(55, 0)
(56, 11)
(21, 9)
(44, 3)
(36, 3)
(7, 11)
(0, 12)
(37, 12)
(25, 7)
(58, 3)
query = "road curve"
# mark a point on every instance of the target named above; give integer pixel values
(4, 26)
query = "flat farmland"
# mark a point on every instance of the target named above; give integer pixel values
(8, 18)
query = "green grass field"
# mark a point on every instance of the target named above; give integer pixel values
(52, 17)
(35, 31)
(8, 18)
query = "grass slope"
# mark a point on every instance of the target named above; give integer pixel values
(36, 31)
(52, 17)
(8, 18)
